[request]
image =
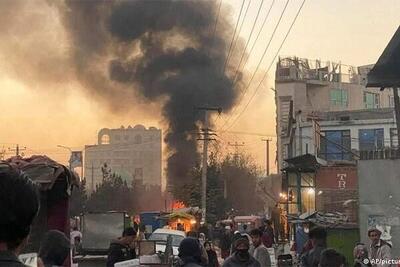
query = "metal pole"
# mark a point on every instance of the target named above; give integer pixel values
(92, 178)
(204, 169)
(267, 155)
(397, 112)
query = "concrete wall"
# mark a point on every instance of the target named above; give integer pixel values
(379, 185)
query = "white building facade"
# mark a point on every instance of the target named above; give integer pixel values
(135, 153)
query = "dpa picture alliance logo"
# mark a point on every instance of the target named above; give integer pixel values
(381, 261)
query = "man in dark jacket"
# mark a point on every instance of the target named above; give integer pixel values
(190, 252)
(331, 258)
(19, 205)
(122, 248)
(226, 242)
(268, 237)
(241, 257)
(55, 248)
(318, 237)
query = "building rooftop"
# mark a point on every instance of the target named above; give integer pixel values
(293, 68)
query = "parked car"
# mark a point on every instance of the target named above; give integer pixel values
(161, 235)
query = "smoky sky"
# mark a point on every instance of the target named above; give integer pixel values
(163, 51)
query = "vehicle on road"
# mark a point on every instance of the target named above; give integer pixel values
(161, 235)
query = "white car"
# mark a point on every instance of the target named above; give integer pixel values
(162, 235)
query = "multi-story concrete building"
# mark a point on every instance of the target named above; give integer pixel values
(326, 120)
(132, 152)
(305, 88)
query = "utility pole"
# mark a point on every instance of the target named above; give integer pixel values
(17, 149)
(92, 178)
(206, 137)
(236, 145)
(397, 112)
(267, 155)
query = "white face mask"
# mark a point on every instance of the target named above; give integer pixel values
(306, 230)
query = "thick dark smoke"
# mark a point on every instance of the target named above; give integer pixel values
(164, 49)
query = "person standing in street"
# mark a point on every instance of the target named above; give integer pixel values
(122, 249)
(19, 205)
(241, 257)
(311, 258)
(54, 249)
(190, 253)
(331, 258)
(204, 256)
(259, 251)
(212, 255)
(360, 254)
(378, 249)
(268, 237)
(226, 242)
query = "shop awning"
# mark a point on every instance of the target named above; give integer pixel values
(386, 72)
(304, 163)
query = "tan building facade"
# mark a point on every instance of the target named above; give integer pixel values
(305, 88)
(132, 152)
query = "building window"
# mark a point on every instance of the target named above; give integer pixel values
(371, 100)
(335, 145)
(339, 97)
(138, 174)
(393, 138)
(391, 101)
(371, 139)
(105, 139)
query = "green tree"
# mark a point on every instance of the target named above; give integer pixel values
(113, 194)
(241, 176)
(234, 175)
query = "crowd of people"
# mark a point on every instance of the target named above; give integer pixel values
(17, 216)
(238, 249)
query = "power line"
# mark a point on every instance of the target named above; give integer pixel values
(261, 59)
(233, 37)
(255, 41)
(240, 30)
(215, 26)
(269, 67)
(247, 43)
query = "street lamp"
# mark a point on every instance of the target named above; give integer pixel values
(70, 150)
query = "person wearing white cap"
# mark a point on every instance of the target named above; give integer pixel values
(379, 249)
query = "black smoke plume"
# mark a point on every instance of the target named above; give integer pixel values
(167, 51)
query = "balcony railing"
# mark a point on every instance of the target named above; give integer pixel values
(386, 153)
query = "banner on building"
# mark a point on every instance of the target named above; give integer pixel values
(76, 159)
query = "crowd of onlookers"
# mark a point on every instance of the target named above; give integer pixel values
(19, 205)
